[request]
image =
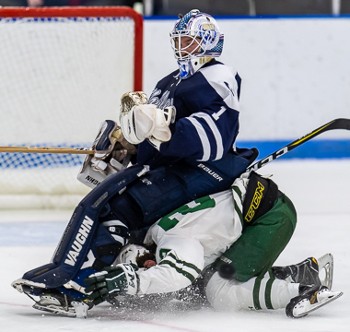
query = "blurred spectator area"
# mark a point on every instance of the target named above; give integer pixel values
(248, 7)
(49, 3)
(293, 7)
(345, 7)
(214, 7)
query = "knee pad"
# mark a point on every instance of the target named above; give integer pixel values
(111, 237)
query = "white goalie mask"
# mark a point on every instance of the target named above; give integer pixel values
(195, 40)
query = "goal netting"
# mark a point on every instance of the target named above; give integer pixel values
(62, 72)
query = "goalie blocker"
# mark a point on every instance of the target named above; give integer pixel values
(112, 154)
(113, 145)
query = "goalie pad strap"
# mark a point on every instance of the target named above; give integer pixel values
(260, 197)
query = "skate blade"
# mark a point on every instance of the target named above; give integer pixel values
(77, 309)
(55, 310)
(323, 299)
(326, 269)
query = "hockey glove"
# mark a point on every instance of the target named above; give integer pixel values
(110, 143)
(140, 121)
(113, 281)
(112, 154)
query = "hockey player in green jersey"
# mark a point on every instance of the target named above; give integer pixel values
(232, 238)
(228, 243)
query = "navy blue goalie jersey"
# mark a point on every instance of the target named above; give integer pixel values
(206, 123)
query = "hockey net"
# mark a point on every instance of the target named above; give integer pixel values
(62, 72)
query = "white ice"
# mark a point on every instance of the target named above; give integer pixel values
(320, 191)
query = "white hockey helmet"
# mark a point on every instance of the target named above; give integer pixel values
(195, 39)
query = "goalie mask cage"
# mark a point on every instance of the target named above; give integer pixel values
(62, 72)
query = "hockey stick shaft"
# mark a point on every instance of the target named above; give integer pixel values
(34, 149)
(335, 124)
(54, 150)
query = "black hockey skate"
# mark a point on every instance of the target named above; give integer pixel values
(310, 299)
(308, 271)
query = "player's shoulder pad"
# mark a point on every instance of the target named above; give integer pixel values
(218, 72)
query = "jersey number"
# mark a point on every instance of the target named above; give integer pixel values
(172, 219)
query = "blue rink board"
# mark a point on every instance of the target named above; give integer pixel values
(313, 149)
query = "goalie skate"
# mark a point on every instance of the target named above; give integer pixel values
(54, 302)
(311, 300)
(61, 305)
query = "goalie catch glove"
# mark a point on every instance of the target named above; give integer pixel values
(140, 121)
(113, 281)
(111, 155)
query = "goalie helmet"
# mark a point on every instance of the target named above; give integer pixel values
(195, 40)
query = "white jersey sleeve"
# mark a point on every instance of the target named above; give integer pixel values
(190, 238)
(181, 261)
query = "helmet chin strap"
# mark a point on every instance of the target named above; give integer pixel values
(189, 67)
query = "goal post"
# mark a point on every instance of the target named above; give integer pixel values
(62, 72)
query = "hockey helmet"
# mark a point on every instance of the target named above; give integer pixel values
(195, 40)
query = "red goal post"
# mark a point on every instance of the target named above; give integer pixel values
(116, 11)
(63, 71)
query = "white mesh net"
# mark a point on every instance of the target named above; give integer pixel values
(59, 79)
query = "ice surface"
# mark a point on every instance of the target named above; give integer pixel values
(320, 191)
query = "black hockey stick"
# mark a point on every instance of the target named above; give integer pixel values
(335, 124)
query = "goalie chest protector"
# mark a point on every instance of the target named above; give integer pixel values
(260, 197)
